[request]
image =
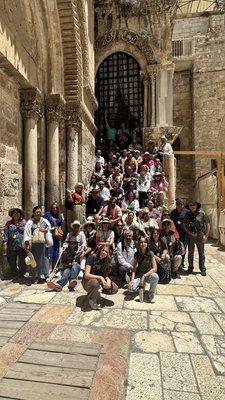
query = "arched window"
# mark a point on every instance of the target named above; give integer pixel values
(119, 90)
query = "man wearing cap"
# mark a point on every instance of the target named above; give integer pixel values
(95, 203)
(177, 216)
(197, 227)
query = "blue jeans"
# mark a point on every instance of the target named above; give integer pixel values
(69, 273)
(152, 279)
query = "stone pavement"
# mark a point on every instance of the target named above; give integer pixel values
(173, 349)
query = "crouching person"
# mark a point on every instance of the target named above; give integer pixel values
(72, 260)
(144, 271)
(125, 255)
(96, 277)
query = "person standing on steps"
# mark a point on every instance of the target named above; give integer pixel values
(197, 227)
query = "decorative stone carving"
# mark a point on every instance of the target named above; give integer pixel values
(75, 114)
(171, 133)
(31, 103)
(54, 107)
(73, 119)
(127, 36)
(153, 70)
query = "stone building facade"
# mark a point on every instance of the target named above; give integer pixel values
(50, 52)
(47, 100)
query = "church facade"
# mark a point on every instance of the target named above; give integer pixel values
(63, 63)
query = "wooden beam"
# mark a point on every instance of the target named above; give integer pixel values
(199, 153)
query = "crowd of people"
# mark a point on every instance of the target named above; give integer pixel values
(120, 231)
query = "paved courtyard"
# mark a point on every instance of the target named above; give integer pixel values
(173, 349)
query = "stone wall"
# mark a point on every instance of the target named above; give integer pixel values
(208, 92)
(10, 147)
(183, 117)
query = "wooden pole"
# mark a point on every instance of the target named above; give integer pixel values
(219, 182)
(223, 186)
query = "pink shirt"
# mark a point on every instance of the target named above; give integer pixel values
(161, 186)
(115, 212)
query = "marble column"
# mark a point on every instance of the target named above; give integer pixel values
(145, 119)
(164, 95)
(170, 173)
(54, 107)
(73, 130)
(153, 120)
(31, 111)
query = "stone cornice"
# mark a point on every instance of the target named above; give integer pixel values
(31, 103)
(54, 107)
(91, 96)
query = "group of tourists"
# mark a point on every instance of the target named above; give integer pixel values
(120, 228)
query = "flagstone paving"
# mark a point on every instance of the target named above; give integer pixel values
(173, 349)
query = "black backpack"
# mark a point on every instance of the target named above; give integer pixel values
(69, 204)
(164, 272)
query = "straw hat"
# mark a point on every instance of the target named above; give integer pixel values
(29, 260)
(89, 221)
(11, 211)
(76, 222)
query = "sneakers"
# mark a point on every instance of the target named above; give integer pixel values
(54, 286)
(72, 284)
(141, 294)
(151, 297)
(94, 305)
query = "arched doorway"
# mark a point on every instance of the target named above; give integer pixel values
(119, 90)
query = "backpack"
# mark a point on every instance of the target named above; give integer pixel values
(68, 203)
(164, 272)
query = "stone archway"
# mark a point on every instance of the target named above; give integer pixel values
(119, 90)
(127, 41)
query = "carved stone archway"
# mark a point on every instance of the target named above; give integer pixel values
(127, 41)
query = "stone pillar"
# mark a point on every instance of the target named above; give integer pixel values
(54, 106)
(145, 119)
(153, 120)
(31, 103)
(73, 130)
(170, 173)
(164, 95)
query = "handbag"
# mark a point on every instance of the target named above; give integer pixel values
(48, 239)
(58, 233)
(164, 271)
(38, 236)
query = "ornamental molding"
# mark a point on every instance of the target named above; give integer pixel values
(31, 103)
(153, 70)
(91, 96)
(54, 107)
(129, 37)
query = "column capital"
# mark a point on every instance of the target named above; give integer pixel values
(72, 119)
(153, 70)
(31, 103)
(54, 107)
